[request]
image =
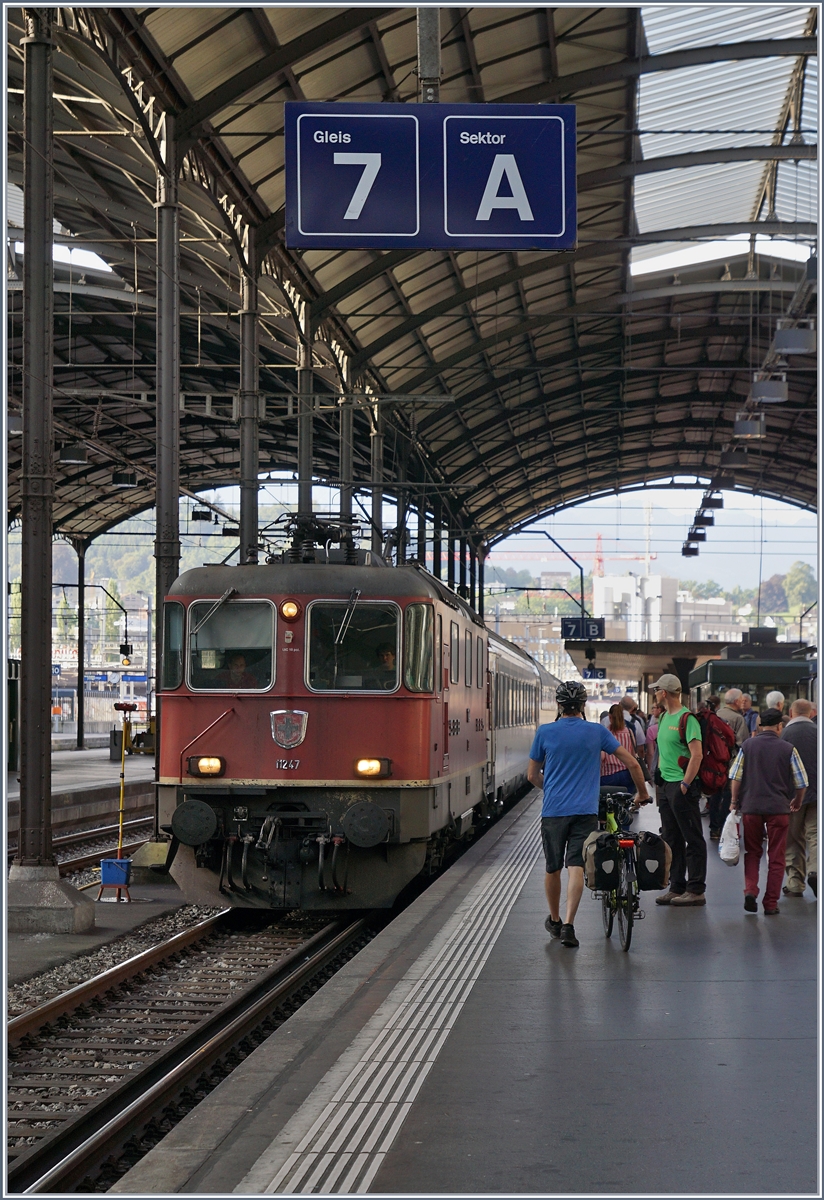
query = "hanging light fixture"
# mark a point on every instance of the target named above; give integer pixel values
(124, 479)
(73, 452)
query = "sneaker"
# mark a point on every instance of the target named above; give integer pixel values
(667, 898)
(715, 835)
(789, 892)
(553, 928)
(750, 904)
(568, 937)
(771, 912)
(812, 880)
(688, 899)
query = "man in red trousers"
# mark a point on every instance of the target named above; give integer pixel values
(768, 783)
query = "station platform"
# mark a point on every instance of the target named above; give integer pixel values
(28, 954)
(464, 1051)
(73, 770)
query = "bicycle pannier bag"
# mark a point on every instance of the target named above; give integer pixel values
(602, 861)
(653, 857)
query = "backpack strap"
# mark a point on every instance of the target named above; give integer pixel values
(682, 726)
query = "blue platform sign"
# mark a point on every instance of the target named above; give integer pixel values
(576, 628)
(430, 176)
(56, 670)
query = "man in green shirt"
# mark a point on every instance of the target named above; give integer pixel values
(679, 760)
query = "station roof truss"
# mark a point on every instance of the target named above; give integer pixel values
(561, 375)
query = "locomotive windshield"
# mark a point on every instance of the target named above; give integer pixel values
(360, 654)
(232, 650)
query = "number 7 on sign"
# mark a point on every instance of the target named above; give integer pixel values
(371, 164)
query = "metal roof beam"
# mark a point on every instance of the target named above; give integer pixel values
(579, 81)
(586, 309)
(551, 262)
(189, 121)
(698, 158)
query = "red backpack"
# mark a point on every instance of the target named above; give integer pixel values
(718, 742)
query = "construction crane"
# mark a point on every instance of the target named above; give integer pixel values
(598, 557)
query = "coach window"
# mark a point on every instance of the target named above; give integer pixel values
(417, 647)
(454, 653)
(479, 674)
(468, 659)
(230, 645)
(173, 619)
(353, 647)
(439, 653)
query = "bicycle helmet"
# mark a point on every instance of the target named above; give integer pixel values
(571, 695)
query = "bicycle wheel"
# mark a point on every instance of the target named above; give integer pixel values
(608, 911)
(626, 905)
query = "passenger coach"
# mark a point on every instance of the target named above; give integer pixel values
(328, 730)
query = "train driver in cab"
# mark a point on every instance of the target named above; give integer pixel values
(236, 675)
(387, 669)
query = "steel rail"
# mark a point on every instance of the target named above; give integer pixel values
(64, 1161)
(93, 989)
(89, 835)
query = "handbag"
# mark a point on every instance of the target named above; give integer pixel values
(729, 845)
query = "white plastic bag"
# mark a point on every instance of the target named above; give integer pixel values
(728, 847)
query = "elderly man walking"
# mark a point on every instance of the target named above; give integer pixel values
(802, 835)
(768, 783)
(731, 713)
(749, 713)
(775, 700)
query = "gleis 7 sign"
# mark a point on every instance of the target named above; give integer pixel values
(431, 176)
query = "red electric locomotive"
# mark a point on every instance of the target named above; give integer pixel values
(328, 729)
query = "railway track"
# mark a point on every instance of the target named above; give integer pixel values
(91, 1069)
(132, 830)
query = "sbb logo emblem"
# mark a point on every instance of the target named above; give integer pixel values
(288, 727)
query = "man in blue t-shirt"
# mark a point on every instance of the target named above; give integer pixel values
(565, 760)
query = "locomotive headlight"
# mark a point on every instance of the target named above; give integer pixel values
(290, 610)
(374, 768)
(204, 766)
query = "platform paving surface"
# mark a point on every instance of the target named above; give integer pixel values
(687, 1066)
(75, 769)
(28, 954)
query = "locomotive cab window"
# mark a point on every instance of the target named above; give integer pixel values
(417, 649)
(230, 647)
(173, 617)
(353, 646)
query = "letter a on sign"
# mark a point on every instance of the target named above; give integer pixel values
(504, 164)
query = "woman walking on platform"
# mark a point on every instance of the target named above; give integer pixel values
(613, 773)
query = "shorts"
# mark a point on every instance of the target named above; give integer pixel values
(560, 834)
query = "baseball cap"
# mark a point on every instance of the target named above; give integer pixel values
(773, 716)
(670, 683)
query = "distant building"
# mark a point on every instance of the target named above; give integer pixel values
(554, 579)
(637, 608)
(653, 608)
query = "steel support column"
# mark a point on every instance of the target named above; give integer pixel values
(167, 531)
(481, 561)
(420, 549)
(429, 54)
(249, 412)
(462, 589)
(377, 478)
(346, 461)
(81, 547)
(437, 523)
(306, 405)
(37, 475)
(450, 558)
(472, 575)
